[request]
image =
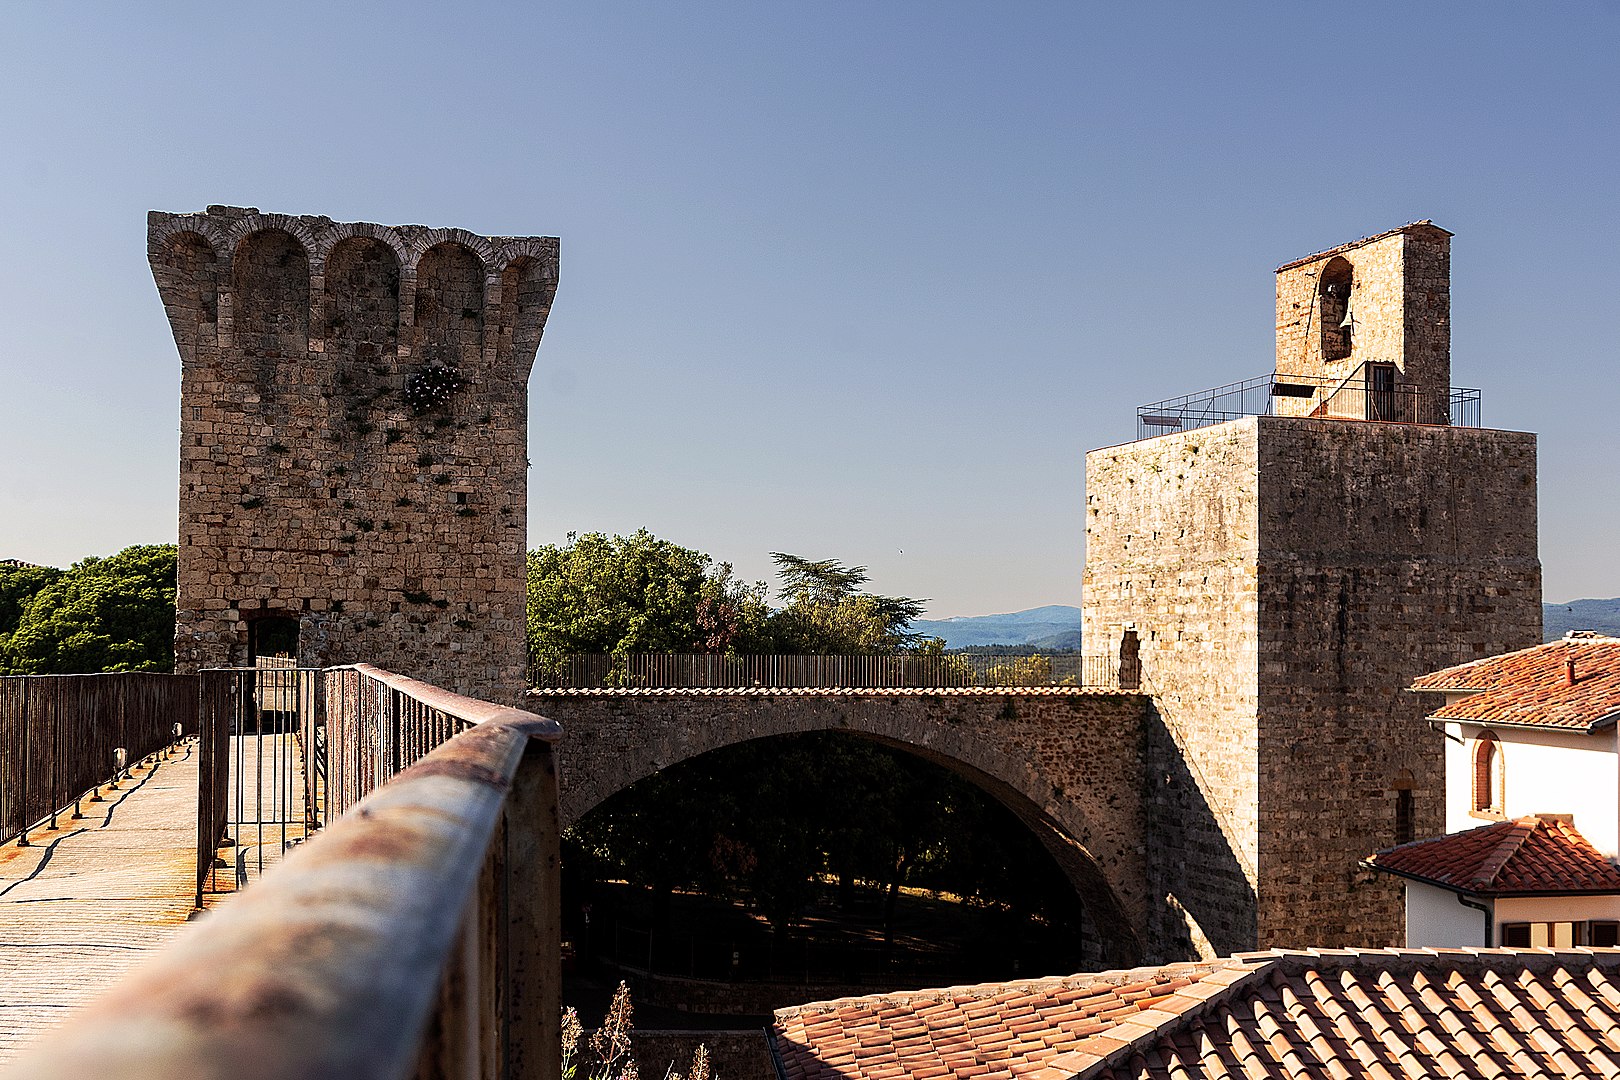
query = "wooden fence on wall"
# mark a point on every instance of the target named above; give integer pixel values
(59, 735)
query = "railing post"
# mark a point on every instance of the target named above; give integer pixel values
(25, 817)
(534, 919)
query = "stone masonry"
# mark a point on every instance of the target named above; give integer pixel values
(1285, 578)
(353, 430)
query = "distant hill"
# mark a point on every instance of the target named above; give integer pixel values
(1056, 626)
(1600, 615)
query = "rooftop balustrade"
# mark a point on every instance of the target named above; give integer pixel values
(1367, 394)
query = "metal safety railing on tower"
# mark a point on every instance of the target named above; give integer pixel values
(1359, 396)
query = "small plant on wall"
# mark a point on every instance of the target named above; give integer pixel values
(431, 388)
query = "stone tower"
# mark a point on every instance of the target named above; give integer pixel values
(353, 432)
(1285, 576)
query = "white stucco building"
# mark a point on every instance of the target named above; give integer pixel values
(1532, 803)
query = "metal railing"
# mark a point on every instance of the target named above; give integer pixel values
(286, 749)
(1354, 398)
(699, 670)
(61, 737)
(260, 767)
(418, 934)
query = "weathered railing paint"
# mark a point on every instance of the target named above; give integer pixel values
(668, 670)
(59, 735)
(417, 935)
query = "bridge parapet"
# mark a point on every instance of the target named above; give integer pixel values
(60, 736)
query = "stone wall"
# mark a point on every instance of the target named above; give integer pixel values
(1068, 763)
(1172, 535)
(733, 1054)
(1386, 551)
(312, 485)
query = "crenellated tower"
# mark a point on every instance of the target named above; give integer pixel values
(353, 430)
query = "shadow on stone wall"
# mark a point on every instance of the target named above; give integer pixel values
(1203, 903)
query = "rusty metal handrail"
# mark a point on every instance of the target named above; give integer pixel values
(466, 709)
(439, 887)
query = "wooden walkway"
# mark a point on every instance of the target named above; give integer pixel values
(82, 905)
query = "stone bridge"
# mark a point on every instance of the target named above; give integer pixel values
(1071, 763)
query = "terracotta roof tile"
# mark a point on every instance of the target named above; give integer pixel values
(1527, 856)
(1011, 1029)
(1531, 687)
(1340, 1013)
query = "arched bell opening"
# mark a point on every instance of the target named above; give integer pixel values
(1334, 310)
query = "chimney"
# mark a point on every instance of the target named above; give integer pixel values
(1569, 672)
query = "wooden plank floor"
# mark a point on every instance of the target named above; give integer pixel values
(83, 903)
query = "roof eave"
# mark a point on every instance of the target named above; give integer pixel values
(1487, 894)
(1527, 725)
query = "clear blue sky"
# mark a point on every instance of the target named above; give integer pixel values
(841, 279)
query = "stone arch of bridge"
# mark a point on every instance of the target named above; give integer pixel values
(1091, 830)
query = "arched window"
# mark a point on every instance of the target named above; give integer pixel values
(1338, 325)
(1487, 775)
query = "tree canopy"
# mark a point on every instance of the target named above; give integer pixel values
(826, 612)
(19, 582)
(637, 593)
(102, 614)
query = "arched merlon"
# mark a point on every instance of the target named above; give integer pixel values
(516, 277)
(1066, 761)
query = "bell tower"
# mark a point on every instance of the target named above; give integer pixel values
(1367, 326)
(1286, 574)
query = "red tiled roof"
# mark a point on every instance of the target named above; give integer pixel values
(1531, 688)
(1319, 1013)
(993, 1031)
(1527, 856)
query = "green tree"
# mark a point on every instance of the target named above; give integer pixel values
(825, 612)
(637, 593)
(102, 614)
(18, 584)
